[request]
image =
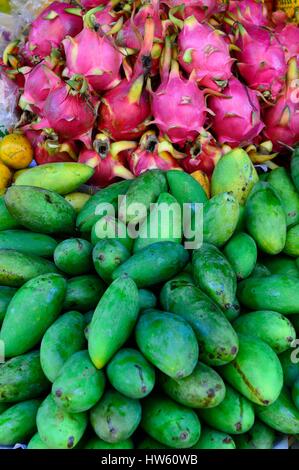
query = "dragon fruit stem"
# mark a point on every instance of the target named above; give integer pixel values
(117, 147)
(78, 84)
(166, 59)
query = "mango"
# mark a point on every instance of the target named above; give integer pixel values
(18, 422)
(257, 293)
(64, 337)
(204, 388)
(7, 221)
(63, 178)
(96, 443)
(74, 256)
(27, 242)
(295, 393)
(212, 439)
(79, 385)
(154, 264)
(147, 299)
(57, 428)
(77, 200)
(116, 417)
(168, 342)
(40, 210)
(185, 189)
(220, 219)
(113, 320)
(271, 327)
(108, 255)
(83, 293)
(36, 443)
(282, 415)
(259, 436)
(236, 174)
(292, 242)
(281, 265)
(113, 229)
(260, 270)
(256, 371)
(295, 168)
(266, 219)
(131, 374)
(234, 415)
(22, 378)
(32, 310)
(18, 268)
(290, 367)
(6, 294)
(234, 311)
(170, 423)
(241, 221)
(282, 183)
(241, 252)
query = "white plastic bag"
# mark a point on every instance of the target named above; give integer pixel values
(9, 94)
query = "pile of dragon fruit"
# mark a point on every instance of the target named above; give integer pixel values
(129, 86)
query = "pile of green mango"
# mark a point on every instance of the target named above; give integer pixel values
(116, 342)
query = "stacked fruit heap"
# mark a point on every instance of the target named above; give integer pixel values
(131, 86)
(124, 342)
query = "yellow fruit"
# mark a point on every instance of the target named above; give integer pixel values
(5, 176)
(4, 6)
(16, 151)
(203, 180)
(77, 200)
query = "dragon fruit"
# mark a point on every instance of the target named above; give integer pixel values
(108, 160)
(237, 119)
(48, 149)
(203, 49)
(288, 36)
(203, 154)
(282, 119)
(261, 60)
(178, 105)
(100, 66)
(88, 4)
(125, 110)
(50, 28)
(153, 153)
(104, 19)
(201, 9)
(249, 12)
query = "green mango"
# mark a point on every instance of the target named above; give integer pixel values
(214, 275)
(258, 437)
(271, 327)
(36, 443)
(170, 423)
(168, 342)
(234, 311)
(64, 337)
(295, 168)
(115, 418)
(83, 293)
(241, 252)
(154, 264)
(234, 415)
(79, 385)
(18, 268)
(143, 191)
(218, 341)
(107, 256)
(32, 310)
(212, 439)
(266, 219)
(27, 242)
(146, 299)
(63, 178)
(149, 443)
(281, 265)
(103, 201)
(113, 229)
(236, 174)
(295, 393)
(96, 443)
(18, 422)
(113, 321)
(57, 428)
(282, 415)
(257, 293)
(40, 210)
(185, 189)
(22, 378)
(220, 219)
(6, 294)
(256, 371)
(292, 242)
(282, 183)
(131, 374)
(290, 367)
(7, 221)
(260, 270)
(74, 256)
(164, 223)
(241, 221)
(204, 388)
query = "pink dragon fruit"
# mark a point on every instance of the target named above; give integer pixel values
(261, 60)
(249, 12)
(48, 149)
(237, 118)
(153, 153)
(203, 49)
(282, 119)
(100, 66)
(125, 110)
(39, 82)
(201, 9)
(50, 28)
(288, 36)
(104, 19)
(88, 4)
(108, 160)
(178, 106)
